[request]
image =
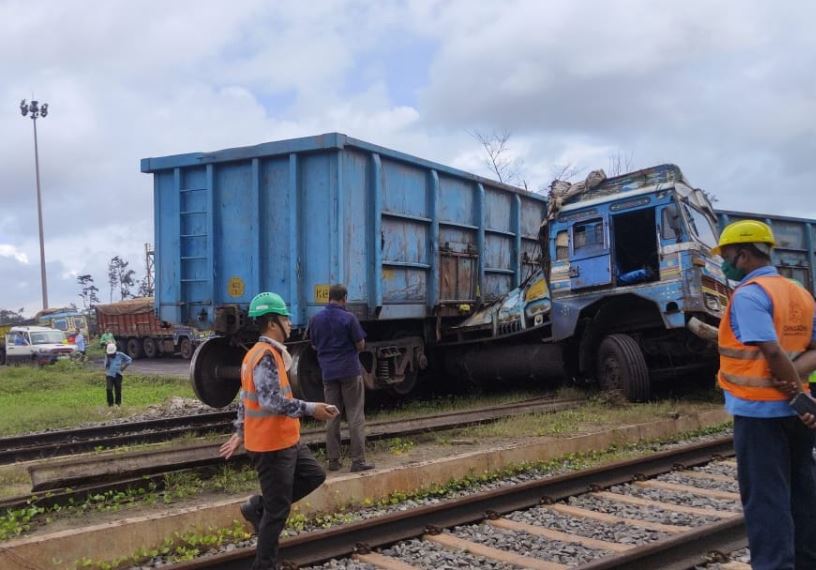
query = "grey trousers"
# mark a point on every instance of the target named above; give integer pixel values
(348, 394)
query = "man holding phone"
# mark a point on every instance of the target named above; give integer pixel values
(268, 426)
(767, 351)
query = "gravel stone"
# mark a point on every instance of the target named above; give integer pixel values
(742, 555)
(672, 497)
(731, 486)
(718, 468)
(651, 514)
(343, 564)
(432, 556)
(619, 532)
(528, 544)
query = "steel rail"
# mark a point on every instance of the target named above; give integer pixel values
(64, 442)
(108, 477)
(341, 541)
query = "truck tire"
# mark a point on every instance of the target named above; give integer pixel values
(621, 366)
(150, 347)
(186, 348)
(134, 348)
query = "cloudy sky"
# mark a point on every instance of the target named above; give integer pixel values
(727, 90)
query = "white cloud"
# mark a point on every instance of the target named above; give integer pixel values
(8, 250)
(722, 89)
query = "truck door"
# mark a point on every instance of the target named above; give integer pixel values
(590, 263)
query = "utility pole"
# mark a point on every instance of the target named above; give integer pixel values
(36, 111)
(149, 259)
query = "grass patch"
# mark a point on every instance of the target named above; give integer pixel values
(67, 394)
(596, 413)
(177, 487)
(458, 403)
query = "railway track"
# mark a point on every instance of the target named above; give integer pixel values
(66, 442)
(75, 480)
(672, 510)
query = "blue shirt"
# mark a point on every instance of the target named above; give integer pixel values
(79, 340)
(117, 363)
(333, 332)
(752, 322)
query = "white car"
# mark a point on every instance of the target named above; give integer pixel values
(37, 344)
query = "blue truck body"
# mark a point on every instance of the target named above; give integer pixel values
(634, 289)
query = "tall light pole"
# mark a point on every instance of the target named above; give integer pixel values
(35, 110)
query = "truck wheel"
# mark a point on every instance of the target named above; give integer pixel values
(134, 348)
(186, 348)
(151, 349)
(621, 366)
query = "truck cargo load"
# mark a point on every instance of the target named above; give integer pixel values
(138, 332)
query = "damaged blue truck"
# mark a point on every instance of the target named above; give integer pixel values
(610, 280)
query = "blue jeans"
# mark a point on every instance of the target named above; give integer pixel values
(777, 482)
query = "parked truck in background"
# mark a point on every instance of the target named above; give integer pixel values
(139, 332)
(66, 319)
(444, 269)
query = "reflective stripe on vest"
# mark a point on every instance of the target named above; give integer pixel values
(744, 371)
(752, 353)
(264, 430)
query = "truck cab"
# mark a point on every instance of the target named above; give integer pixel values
(632, 277)
(42, 345)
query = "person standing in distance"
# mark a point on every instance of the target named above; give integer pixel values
(115, 364)
(767, 345)
(338, 338)
(268, 427)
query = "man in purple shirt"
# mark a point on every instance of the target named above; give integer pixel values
(337, 337)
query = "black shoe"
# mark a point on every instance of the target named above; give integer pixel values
(334, 465)
(358, 466)
(252, 511)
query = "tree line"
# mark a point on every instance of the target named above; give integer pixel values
(122, 284)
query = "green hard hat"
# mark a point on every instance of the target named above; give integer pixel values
(266, 303)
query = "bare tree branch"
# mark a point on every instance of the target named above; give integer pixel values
(620, 163)
(499, 158)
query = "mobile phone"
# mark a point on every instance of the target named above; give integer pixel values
(803, 404)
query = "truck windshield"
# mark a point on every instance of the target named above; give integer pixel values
(701, 227)
(50, 337)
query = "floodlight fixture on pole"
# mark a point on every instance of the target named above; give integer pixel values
(36, 110)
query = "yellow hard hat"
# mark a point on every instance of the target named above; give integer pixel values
(745, 231)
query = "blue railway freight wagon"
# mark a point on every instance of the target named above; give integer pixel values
(795, 251)
(418, 244)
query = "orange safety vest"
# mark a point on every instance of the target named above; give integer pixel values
(264, 430)
(744, 372)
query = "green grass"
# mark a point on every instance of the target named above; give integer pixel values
(594, 414)
(68, 394)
